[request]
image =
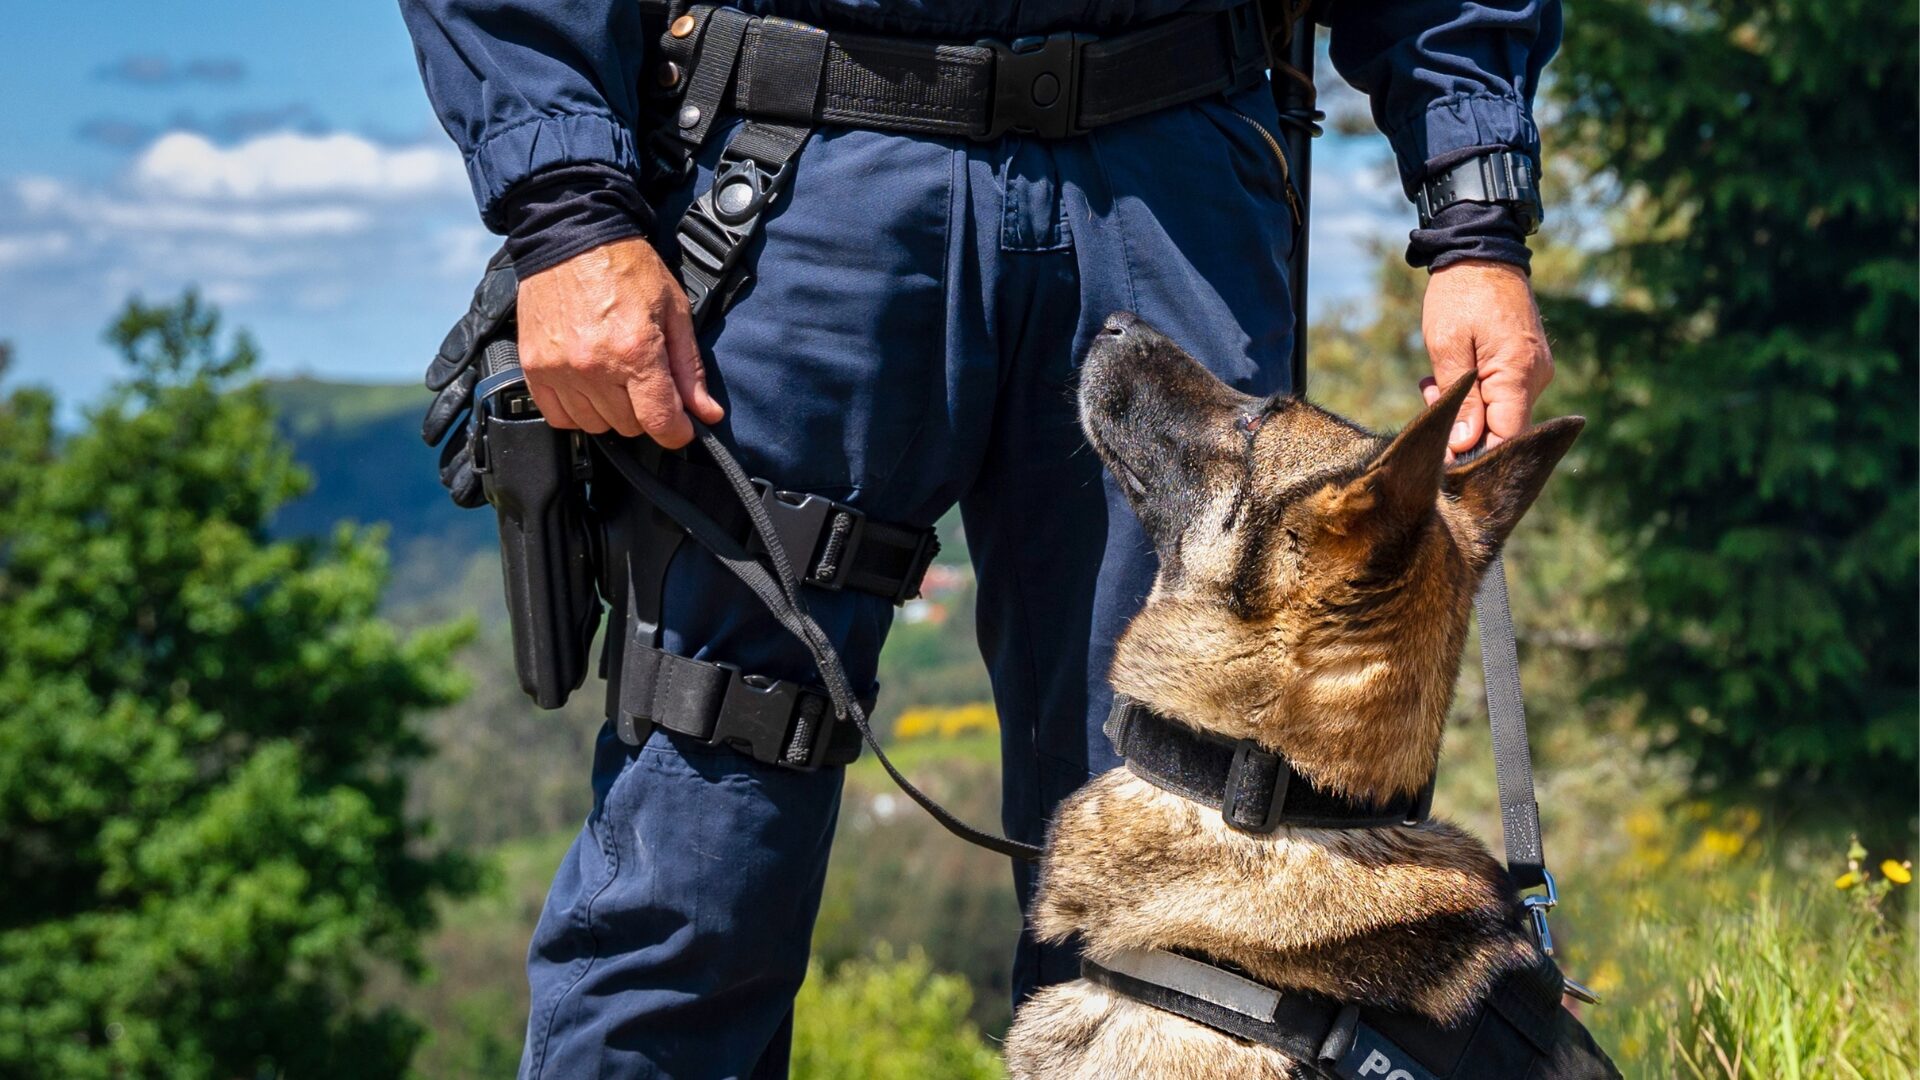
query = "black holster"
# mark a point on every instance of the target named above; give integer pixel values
(535, 476)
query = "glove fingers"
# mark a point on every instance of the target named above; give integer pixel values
(498, 290)
(456, 471)
(493, 303)
(455, 355)
(453, 373)
(448, 406)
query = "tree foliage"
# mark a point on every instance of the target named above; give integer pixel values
(203, 736)
(1752, 322)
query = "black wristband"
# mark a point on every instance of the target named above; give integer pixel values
(1469, 230)
(559, 213)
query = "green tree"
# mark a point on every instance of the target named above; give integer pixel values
(1752, 327)
(203, 740)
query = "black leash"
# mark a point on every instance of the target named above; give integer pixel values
(778, 588)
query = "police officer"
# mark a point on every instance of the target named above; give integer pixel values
(908, 344)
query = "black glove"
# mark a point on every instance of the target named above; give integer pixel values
(455, 370)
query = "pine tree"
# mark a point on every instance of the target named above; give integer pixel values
(203, 739)
(1752, 326)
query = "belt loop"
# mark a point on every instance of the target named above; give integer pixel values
(721, 33)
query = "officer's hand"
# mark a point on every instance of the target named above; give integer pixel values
(1480, 316)
(607, 342)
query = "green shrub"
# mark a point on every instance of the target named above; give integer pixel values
(882, 1019)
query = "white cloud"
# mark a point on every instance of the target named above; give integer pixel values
(32, 247)
(291, 165)
(278, 206)
(345, 254)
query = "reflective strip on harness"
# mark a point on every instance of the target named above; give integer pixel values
(1197, 979)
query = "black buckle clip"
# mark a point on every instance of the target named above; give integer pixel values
(757, 718)
(1036, 86)
(924, 552)
(800, 521)
(715, 229)
(1230, 797)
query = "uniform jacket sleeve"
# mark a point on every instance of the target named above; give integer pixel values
(529, 85)
(1446, 75)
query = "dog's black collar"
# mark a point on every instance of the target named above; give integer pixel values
(1255, 790)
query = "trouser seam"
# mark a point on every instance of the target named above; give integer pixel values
(577, 971)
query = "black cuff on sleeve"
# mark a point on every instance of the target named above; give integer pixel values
(559, 213)
(1469, 230)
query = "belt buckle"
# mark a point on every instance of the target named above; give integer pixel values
(1036, 86)
(757, 718)
(799, 520)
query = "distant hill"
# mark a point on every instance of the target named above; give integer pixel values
(361, 442)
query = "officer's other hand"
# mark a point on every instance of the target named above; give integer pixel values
(1480, 316)
(607, 342)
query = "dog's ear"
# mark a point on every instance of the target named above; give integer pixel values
(1498, 486)
(1398, 488)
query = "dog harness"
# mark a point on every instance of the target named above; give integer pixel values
(1520, 1031)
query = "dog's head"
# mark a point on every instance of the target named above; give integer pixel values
(1315, 577)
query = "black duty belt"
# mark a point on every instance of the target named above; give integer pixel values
(788, 78)
(1053, 86)
(1256, 790)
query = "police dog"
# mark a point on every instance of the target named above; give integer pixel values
(1314, 589)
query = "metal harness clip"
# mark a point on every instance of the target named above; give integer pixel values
(1537, 908)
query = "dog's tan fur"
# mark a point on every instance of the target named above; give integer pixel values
(1315, 589)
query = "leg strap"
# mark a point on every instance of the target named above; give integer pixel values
(775, 721)
(830, 545)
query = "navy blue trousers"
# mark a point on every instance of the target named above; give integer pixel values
(908, 344)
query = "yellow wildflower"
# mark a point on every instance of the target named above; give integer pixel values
(1847, 880)
(1898, 873)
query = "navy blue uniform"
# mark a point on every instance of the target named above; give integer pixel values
(908, 345)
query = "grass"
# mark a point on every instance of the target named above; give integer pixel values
(1744, 961)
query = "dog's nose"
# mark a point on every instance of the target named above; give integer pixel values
(1119, 324)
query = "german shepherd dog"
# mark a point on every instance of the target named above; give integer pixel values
(1313, 595)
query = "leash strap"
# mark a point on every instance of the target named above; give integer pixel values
(1507, 715)
(777, 586)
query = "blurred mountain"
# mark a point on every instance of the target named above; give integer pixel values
(361, 443)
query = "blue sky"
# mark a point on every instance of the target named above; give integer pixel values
(282, 157)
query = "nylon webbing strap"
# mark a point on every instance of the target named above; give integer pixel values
(1166, 65)
(1516, 1026)
(1507, 715)
(956, 89)
(714, 232)
(777, 586)
(832, 545)
(1296, 1024)
(721, 32)
(771, 720)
